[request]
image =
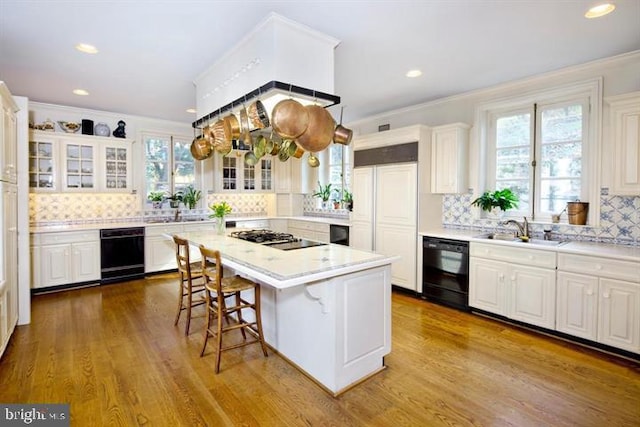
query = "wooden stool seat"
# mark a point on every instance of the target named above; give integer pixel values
(219, 292)
(191, 282)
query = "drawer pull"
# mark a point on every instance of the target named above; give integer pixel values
(598, 267)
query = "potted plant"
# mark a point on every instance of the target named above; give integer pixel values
(336, 198)
(175, 199)
(347, 199)
(219, 211)
(501, 200)
(191, 196)
(156, 198)
(323, 193)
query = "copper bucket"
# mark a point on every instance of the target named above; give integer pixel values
(577, 212)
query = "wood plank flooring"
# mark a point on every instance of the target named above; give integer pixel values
(113, 353)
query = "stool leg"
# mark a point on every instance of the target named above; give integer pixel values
(189, 302)
(221, 313)
(180, 298)
(259, 320)
(239, 314)
(208, 325)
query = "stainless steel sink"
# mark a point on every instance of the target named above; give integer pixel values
(509, 237)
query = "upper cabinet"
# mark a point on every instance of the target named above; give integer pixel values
(625, 135)
(8, 150)
(68, 162)
(449, 148)
(233, 174)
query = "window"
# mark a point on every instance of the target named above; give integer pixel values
(544, 149)
(339, 169)
(169, 165)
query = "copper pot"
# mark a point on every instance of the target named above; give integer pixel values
(232, 127)
(319, 133)
(221, 142)
(201, 148)
(245, 132)
(289, 119)
(342, 135)
(294, 150)
(258, 115)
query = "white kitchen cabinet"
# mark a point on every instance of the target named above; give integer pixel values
(8, 218)
(309, 230)
(234, 175)
(64, 258)
(517, 283)
(71, 162)
(625, 140)
(295, 176)
(599, 299)
(9, 147)
(385, 216)
(159, 250)
(449, 153)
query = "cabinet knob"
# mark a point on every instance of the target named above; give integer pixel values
(605, 295)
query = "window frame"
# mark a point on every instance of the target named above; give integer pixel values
(591, 169)
(172, 139)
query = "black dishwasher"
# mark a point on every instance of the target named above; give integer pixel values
(445, 272)
(121, 254)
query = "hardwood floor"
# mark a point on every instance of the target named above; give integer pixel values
(113, 353)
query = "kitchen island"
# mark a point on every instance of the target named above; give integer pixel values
(326, 309)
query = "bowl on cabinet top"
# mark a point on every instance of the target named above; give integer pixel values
(70, 127)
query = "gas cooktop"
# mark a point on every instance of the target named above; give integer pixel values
(274, 239)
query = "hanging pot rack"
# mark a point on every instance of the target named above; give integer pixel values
(326, 99)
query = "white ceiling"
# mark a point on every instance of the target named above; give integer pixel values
(151, 51)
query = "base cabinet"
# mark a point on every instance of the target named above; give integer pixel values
(159, 250)
(599, 300)
(497, 284)
(65, 258)
(309, 230)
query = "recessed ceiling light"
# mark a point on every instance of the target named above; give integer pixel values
(86, 48)
(414, 73)
(191, 110)
(80, 92)
(600, 10)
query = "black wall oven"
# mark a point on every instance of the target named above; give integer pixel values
(121, 254)
(445, 272)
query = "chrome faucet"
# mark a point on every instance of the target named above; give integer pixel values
(523, 229)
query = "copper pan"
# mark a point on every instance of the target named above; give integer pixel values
(221, 142)
(258, 115)
(294, 150)
(342, 135)
(232, 127)
(271, 146)
(289, 119)
(201, 148)
(319, 133)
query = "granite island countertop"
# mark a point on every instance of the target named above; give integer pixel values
(283, 269)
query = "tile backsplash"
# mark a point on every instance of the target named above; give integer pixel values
(619, 220)
(55, 208)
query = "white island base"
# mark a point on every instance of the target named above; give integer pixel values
(335, 330)
(326, 309)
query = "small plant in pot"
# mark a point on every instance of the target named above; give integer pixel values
(497, 202)
(336, 199)
(156, 198)
(219, 211)
(175, 199)
(323, 193)
(347, 199)
(191, 196)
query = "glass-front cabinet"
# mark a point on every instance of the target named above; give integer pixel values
(42, 163)
(69, 162)
(236, 175)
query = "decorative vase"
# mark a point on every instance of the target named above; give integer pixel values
(221, 226)
(102, 129)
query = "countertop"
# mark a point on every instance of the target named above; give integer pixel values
(284, 269)
(607, 250)
(140, 223)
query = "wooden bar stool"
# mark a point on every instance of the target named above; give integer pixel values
(218, 289)
(191, 282)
